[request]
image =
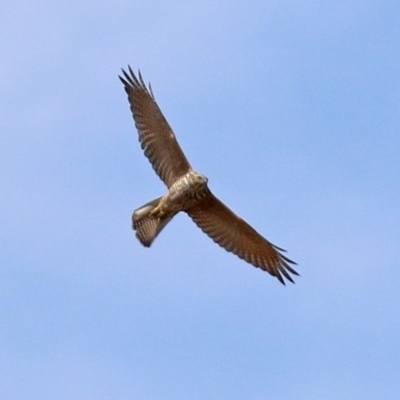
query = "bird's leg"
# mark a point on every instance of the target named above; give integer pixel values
(159, 211)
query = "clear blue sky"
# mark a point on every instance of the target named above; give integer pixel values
(292, 110)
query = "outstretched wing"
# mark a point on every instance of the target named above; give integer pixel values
(238, 237)
(155, 135)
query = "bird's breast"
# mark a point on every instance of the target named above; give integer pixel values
(186, 191)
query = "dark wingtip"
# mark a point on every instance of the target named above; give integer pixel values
(284, 269)
(124, 82)
(132, 81)
(281, 279)
(125, 79)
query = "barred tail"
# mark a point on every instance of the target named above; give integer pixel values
(147, 228)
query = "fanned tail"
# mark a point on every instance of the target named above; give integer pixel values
(147, 228)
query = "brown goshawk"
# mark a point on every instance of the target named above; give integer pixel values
(188, 191)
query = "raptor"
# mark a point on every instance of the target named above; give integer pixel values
(188, 191)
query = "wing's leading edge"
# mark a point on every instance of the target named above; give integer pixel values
(155, 135)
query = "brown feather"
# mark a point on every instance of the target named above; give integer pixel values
(155, 135)
(235, 235)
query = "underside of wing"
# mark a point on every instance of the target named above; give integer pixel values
(155, 135)
(235, 235)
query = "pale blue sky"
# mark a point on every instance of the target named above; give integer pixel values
(292, 110)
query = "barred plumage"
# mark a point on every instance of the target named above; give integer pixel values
(188, 191)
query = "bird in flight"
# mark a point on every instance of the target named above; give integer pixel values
(188, 191)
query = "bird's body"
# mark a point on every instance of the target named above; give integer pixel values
(188, 191)
(181, 196)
